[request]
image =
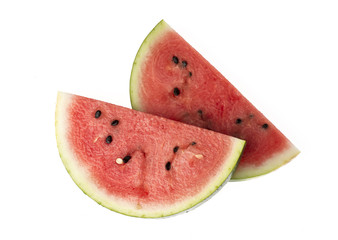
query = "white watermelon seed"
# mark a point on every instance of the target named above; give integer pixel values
(119, 160)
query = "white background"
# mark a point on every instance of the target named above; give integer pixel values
(282, 55)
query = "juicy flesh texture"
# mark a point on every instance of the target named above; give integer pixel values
(149, 141)
(206, 99)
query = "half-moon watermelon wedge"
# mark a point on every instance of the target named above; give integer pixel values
(171, 79)
(139, 164)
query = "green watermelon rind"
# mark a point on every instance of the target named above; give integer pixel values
(160, 28)
(275, 162)
(81, 176)
(243, 173)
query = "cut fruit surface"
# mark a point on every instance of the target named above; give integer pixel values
(140, 164)
(171, 79)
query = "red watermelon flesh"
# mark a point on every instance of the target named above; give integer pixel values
(171, 79)
(139, 164)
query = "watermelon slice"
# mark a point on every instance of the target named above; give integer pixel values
(139, 164)
(185, 87)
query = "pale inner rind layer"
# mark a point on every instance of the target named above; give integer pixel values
(82, 177)
(276, 161)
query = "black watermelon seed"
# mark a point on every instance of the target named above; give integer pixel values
(238, 120)
(265, 126)
(193, 143)
(115, 122)
(184, 64)
(175, 149)
(109, 139)
(97, 114)
(168, 166)
(190, 74)
(126, 158)
(200, 112)
(175, 59)
(176, 91)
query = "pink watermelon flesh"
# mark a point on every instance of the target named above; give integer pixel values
(139, 164)
(171, 79)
